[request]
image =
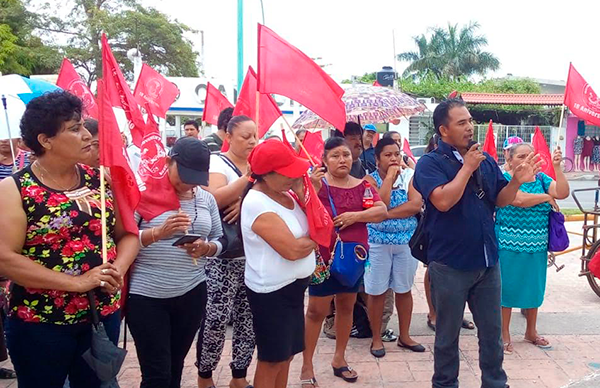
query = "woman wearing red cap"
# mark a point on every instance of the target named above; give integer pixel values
(347, 194)
(279, 258)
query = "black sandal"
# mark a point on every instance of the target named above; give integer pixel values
(430, 324)
(467, 325)
(339, 372)
(7, 374)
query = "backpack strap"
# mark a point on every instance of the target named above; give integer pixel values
(231, 164)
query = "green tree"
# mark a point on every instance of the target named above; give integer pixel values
(367, 78)
(127, 24)
(452, 52)
(21, 51)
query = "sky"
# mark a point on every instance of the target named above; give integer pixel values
(531, 38)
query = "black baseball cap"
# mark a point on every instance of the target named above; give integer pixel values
(193, 160)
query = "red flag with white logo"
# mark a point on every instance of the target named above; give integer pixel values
(119, 95)
(581, 98)
(158, 194)
(541, 148)
(155, 92)
(214, 103)
(113, 157)
(69, 79)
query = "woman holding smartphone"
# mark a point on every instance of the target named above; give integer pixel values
(167, 295)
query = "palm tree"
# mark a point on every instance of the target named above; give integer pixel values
(450, 53)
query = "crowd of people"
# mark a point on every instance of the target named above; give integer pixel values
(254, 261)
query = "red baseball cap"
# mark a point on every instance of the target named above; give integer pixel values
(274, 156)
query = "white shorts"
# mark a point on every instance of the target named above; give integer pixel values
(391, 266)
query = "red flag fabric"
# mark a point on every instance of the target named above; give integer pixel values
(158, 194)
(246, 104)
(112, 156)
(285, 70)
(407, 151)
(155, 92)
(541, 148)
(320, 224)
(119, 95)
(214, 103)
(594, 264)
(69, 79)
(286, 142)
(375, 83)
(581, 98)
(314, 144)
(489, 145)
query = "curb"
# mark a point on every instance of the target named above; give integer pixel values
(578, 217)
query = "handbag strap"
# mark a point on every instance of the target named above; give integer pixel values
(231, 164)
(337, 230)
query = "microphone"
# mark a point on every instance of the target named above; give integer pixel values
(477, 174)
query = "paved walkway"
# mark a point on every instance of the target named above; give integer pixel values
(569, 319)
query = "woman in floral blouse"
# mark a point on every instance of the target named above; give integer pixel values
(50, 247)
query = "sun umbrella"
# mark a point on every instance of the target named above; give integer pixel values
(16, 91)
(104, 357)
(368, 105)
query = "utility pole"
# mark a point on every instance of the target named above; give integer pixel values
(240, 42)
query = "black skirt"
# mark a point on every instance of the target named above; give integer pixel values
(278, 319)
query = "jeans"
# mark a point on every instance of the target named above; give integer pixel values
(44, 354)
(163, 331)
(450, 290)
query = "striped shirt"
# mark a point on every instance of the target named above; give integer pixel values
(6, 170)
(164, 271)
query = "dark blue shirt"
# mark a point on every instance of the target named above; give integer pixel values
(368, 159)
(463, 237)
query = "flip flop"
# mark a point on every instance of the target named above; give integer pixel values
(339, 372)
(540, 342)
(312, 381)
(508, 348)
(467, 325)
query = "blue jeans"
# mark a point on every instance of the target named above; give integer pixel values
(450, 290)
(44, 354)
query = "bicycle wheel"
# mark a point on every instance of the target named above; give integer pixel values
(567, 164)
(594, 282)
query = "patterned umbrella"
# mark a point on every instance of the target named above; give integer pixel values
(368, 105)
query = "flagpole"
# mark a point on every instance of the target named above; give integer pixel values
(240, 43)
(299, 141)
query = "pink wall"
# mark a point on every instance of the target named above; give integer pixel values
(571, 133)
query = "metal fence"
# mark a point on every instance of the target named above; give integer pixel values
(525, 132)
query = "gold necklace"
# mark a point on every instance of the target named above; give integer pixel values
(43, 169)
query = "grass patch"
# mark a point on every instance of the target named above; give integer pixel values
(570, 212)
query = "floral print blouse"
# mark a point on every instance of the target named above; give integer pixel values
(62, 236)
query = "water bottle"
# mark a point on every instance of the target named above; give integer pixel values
(368, 197)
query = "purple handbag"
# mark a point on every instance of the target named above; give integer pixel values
(558, 239)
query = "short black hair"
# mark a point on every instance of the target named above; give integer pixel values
(389, 134)
(300, 132)
(91, 125)
(334, 142)
(440, 114)
(432, 144)
(46, 115)
(384, 142)
(224, 117)
(352, 129)
(235, 121)
(192, 122)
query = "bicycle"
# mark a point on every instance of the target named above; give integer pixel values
(567, 164)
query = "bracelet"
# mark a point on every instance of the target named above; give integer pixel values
(140, 238)
(152, 234)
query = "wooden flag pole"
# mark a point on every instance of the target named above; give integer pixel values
(299, 142)
(560, 122)
(103, 215)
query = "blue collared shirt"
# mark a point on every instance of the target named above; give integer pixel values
(464, 237)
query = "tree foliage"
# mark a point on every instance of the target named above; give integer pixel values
(160, 40)
(452, 52)
(22, 52)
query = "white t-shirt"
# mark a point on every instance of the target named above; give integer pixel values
(218, 165)
(266, 270)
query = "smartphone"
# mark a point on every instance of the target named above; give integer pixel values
(186, 239)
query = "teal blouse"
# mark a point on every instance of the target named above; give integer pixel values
(525, 229)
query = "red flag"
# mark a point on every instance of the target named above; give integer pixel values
(158, 194)
(489, 145)
(320, 224)
(581, 98)
(375, 83)
(119, 95)
(314, 144)
(407, 151)
(541, 148)
(286, 142)
(69, 79)
(594, 264)
(112, 155)
(285, 70)
(246, 104)
(214, 103)
(155, 92)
